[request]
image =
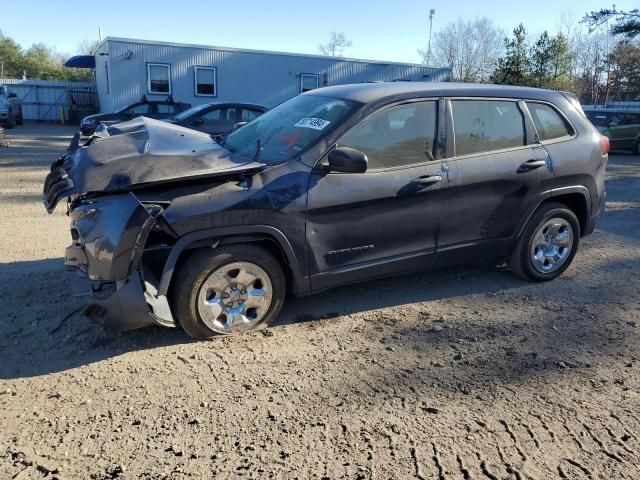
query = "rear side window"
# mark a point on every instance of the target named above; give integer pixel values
(548, 121)
(167, 108)
(396, 136)
(486, 125)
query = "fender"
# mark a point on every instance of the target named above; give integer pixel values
(300, 282)
(556, 192)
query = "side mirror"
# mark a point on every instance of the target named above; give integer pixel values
(12, 95)
(238, 125)
(347, 160)
(198, 121)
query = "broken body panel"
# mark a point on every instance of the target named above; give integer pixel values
(143, 193)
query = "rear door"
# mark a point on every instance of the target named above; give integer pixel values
(385, 220)
(497, 172)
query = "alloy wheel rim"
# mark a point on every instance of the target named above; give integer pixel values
(235, 297)
(551, 245)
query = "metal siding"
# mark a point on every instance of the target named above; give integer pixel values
(42, 99)
(267, 79)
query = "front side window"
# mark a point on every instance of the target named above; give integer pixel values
(486, 125)
(290, 128)
(548, 122)
(159, 78)
(396, 136)
(205, 81)
(630, 119)
(309, 81)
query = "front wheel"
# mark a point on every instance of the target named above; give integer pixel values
(232, 289)
(547, 245)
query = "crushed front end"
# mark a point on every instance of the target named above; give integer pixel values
(104, 261)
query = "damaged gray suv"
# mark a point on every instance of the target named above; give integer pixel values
(334, 186)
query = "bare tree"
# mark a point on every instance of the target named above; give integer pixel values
(336, 45)
(87, 47)
(470, 47)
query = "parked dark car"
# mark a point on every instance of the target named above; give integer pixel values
(10, 108)
(217, 118)
(334, 186)
(621, 126)
(147, 108)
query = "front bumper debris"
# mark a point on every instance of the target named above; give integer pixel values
(124, 309)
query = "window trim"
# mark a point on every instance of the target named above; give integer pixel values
(315, 75)
(153, 64)
(452, 132)
(195, 81)
(573, 132)
(106, 77)
(436, 149)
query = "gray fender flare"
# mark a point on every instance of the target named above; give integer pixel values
(300, 282)
(556, 192)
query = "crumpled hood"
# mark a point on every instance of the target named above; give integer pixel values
(143, 152)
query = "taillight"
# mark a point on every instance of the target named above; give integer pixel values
(604, 144)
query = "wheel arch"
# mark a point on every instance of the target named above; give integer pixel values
(576, 198)
(272, 239)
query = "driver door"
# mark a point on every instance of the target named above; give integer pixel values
(386, 220)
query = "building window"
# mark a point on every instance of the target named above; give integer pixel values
(205, 81)
(159, 78)
(309, 81)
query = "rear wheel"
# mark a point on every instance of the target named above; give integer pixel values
(232, 289)
(11, 120)
(547, 245)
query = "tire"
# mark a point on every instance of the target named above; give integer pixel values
(198, 296)
(540, 264)
(11, 121)
(20, 119)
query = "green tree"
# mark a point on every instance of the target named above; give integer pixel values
(11, 58)
(541, 60)
(562, 64)
(624, 79)
(626, 23)
(39, 63)
(513, 68)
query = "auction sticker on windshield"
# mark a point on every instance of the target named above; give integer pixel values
(313, 122)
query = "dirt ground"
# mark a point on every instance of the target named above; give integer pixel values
(466, 373)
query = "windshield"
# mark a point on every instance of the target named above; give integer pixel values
(289, 128)
(191, 111)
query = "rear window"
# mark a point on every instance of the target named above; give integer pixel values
(548, 121)
(599, 119)
(487, 125)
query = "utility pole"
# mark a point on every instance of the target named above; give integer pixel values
(432, 12)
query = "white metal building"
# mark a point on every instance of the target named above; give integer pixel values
(127, 69)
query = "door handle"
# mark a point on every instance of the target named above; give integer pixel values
(428, 179)
(531, 165)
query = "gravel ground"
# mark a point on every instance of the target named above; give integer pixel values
(466, 373)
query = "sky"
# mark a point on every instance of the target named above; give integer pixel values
(380, 29)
